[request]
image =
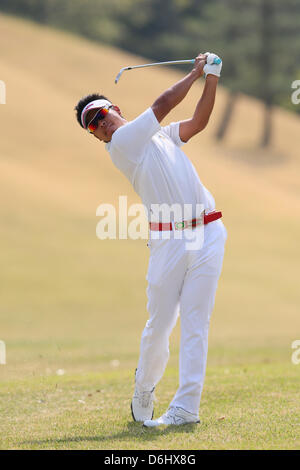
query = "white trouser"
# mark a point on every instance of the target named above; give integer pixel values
(186, 281)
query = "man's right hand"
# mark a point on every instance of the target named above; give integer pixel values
(199, 64)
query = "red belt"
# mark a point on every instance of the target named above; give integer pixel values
(207, 218)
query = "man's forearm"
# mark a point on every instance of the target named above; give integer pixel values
(206, 103)
(203, 110)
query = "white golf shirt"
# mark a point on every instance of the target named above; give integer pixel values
(150, 157)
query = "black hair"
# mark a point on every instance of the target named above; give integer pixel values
(86, 100)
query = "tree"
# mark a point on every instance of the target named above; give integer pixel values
(253, 37)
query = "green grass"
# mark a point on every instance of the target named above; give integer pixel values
(252, 406)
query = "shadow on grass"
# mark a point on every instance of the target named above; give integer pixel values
(134, 431)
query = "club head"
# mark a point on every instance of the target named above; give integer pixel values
(118, 76)
(120, 73)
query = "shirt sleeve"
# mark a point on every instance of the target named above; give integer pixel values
(133, 136)
(172, 130)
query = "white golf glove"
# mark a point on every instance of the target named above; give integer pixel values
(212, 66)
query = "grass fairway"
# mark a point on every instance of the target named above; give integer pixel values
(243, 407)
(73, 307)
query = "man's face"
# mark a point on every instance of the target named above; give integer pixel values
(108, 125)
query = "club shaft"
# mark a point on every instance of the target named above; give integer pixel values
(169, 62)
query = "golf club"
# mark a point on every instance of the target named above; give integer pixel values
(170, 62)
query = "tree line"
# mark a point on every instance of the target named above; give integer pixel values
(259, 40)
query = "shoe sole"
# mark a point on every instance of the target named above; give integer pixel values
(159, 425)
(136, 419)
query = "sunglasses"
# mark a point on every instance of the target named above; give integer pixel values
(93, 124)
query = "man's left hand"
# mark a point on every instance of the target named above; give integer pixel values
(211, 68)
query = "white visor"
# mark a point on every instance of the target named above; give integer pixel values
(93, 105)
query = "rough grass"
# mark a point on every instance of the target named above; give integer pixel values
(243, 407)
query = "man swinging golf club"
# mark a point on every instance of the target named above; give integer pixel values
(179, 279)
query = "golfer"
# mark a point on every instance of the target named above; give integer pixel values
(179, 279)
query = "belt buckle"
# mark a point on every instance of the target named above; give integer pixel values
(179, 225)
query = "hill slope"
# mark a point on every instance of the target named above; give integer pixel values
(57, 279)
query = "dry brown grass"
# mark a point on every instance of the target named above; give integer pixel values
(53, 176)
